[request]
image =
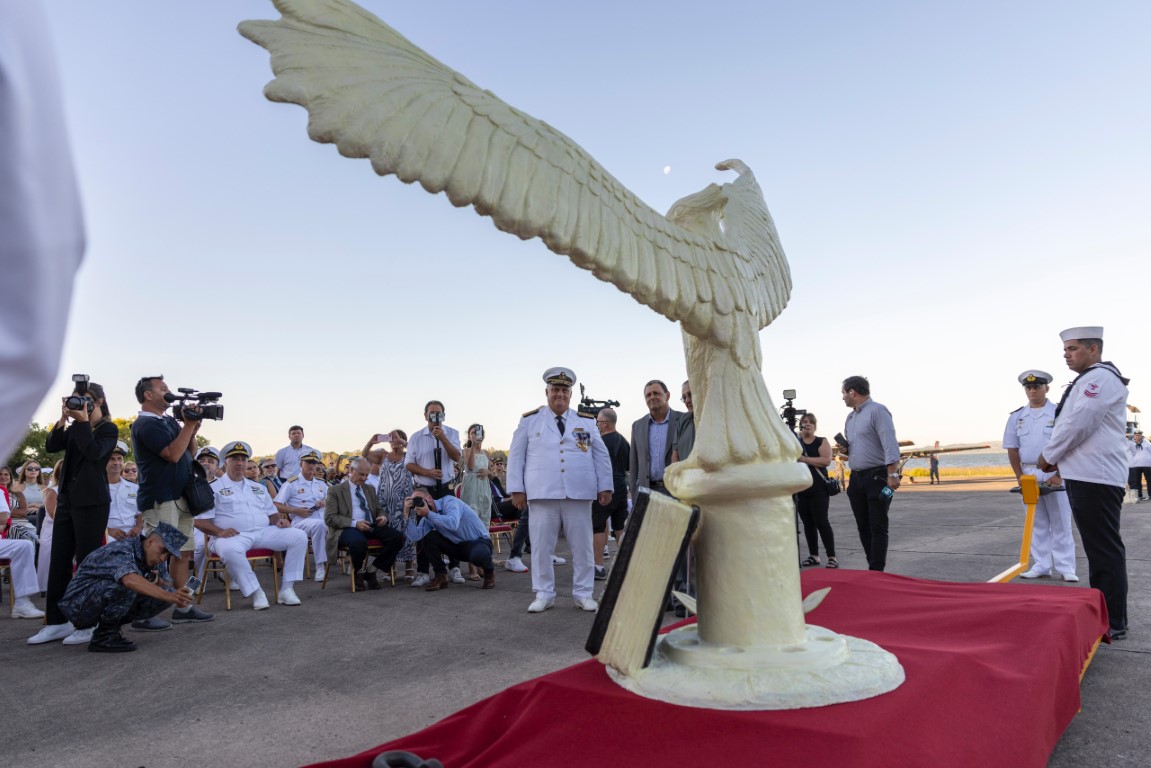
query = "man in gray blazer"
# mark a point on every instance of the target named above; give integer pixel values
(652, 437)
(353, 514)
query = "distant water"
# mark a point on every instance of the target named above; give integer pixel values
(989, 459)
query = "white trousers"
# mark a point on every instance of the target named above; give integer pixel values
(1052, 544)
(234, 549)
(544, 522)
(317, 531)
(22, 555)
(198, 553)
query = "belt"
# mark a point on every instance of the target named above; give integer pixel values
(655, 485)
(869, 470)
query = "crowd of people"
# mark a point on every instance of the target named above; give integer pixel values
(425, 504)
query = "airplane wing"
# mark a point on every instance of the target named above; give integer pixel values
(922, 451)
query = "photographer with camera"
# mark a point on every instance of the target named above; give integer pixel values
(433, 452)
(83, 500)
(164, 449)
(448, 527)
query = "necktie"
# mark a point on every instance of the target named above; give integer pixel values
(560, 424)
(363, 502)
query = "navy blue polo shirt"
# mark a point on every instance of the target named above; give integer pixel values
(160, 479)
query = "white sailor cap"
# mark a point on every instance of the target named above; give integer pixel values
(1082, 332)
(121, 448)
(215, 452)
(237, 448)
(1035, 376)
(560, 376)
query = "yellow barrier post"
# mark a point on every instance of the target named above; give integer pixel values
(1029, 488)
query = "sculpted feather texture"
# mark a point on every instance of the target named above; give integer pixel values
(713, 264)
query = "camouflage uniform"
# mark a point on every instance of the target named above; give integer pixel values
(95, 592)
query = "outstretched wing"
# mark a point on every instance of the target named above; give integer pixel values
(374, 94)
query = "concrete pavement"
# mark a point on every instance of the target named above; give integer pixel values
(344, 672)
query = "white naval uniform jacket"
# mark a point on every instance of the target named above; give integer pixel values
(1089, 439)
(122, 511)
(1028, 430)
(545, 465)
(1136, 456)
(243, 505)
(298, 492)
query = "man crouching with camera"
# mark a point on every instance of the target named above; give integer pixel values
(163, 449)
(121, 582)
(449, 527)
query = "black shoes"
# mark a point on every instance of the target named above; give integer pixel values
(107, 639)
(372, 581)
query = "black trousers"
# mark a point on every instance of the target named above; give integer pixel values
(812, 506)
(1136, 477)
(522, 538)
(77, 532)
(478, 552)
(1096, 508)
(356, 542)
(870, 511)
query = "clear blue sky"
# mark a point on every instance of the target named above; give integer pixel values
(953, 185)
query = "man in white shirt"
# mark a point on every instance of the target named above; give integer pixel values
(302, 499)
(288, 457)
(1027, 432)
(1088, 450)
(433, 452)
(1139, 464)
(124, 517)
(245, 518)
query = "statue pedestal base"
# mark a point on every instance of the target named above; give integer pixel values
(825, 668)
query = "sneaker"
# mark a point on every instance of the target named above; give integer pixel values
(606, 552)
(191, 614)
(456, 576)
(600, 573)
(421, 580)
(541, 604)
(586, 604)
(287, 596)
(515, 565)
(154, 624)
(259, 600)
(1036, 573)
(80, 637)
(1070, 577)
(321, 571)
(558, 560)
(51, 633)
(23, 609)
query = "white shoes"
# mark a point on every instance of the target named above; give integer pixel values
(321, 571)
(23, 609)
(558, 560)
(1070, 577)
(586, 604)
(51, 633)
(234, 585)
(79, 637)
(541, 604)
(287, 596)
(456, 576)
(1036, 572)
(421, 580)
(260, 600)
(515, 565)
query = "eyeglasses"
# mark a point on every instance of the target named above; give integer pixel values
(31, 469)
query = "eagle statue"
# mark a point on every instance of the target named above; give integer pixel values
(714, 263)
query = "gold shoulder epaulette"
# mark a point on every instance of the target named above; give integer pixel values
(533, 412)
(292, 479)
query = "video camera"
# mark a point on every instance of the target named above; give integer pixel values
(80, 401)
(789, 413)
(209, 408)
(591, 408)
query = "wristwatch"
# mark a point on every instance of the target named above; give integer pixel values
(895, 474)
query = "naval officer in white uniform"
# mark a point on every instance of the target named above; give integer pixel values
(245, 518)
(1089, 447)
(1027, 432)
(558, 462)
(302, 498)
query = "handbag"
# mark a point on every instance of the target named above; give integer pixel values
(197, 492)
(833, 488)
